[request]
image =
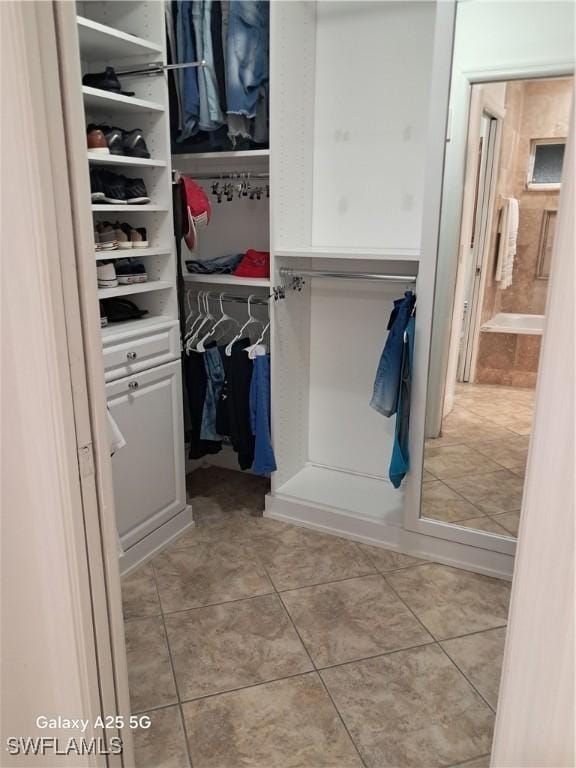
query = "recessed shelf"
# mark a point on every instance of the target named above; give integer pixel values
(146, 208)
(316, 252)
(260, 282)
(97, 99)
(130, 253)
(127, 290)
(98, 41)
(100, 159)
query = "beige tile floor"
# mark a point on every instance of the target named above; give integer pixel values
(256, 644)
(474, 472)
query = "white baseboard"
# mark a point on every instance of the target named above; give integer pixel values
(156, 541)
(390, 536)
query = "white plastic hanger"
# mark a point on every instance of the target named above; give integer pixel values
(252, 349)
(207, 316)
(199, 299)
(200, 347)
(251, 320)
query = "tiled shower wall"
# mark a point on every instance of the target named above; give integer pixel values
(535, 109)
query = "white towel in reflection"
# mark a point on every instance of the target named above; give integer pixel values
(508, 229)
(115, 437)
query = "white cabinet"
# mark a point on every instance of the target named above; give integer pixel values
(149, 481)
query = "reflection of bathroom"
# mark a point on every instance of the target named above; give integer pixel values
(475, 466)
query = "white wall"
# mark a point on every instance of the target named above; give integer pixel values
(373, 67)
(492, 39)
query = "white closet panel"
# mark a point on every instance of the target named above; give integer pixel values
(373, 70)
(348, 331)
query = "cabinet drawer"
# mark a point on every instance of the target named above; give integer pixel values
(138, 350)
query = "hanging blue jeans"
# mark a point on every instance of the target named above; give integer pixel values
(187, 78)
(214, 382)
(387, 382)
(211, 116)
(246, 55)
(400, 460)
(264, 460)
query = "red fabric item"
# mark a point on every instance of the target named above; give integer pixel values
(254, 264)
(197, 209)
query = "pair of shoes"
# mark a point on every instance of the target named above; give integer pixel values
(105, 81)
(109, 236)
(105, 140)
(108, 187)
(130, 237)
(124, 272)
(130, 271)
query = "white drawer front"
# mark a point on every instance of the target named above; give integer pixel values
(128, 354)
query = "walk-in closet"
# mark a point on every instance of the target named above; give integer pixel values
(268, 197)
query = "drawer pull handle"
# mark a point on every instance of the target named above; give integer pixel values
(131, 355)
(133, 385)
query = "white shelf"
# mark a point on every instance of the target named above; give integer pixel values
(95, 98)
(127, 290)
(142, 323)
(145, 208)
(99, 159)
(100, 42)
(363, 496)
(130, 253)
(239, 155)
(260, 282)
(316, 252)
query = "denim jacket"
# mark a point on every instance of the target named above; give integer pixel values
(247, 55)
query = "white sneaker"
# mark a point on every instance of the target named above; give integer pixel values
(106, 275)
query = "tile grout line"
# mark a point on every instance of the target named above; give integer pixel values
(438, 643)
(445, 652)
(176, 688)
(315, 669)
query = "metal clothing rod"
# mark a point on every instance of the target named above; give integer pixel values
(157, 68)
(289, 272)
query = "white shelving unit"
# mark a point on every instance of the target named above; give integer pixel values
(141, 356)
(99, 41)
(128, 290)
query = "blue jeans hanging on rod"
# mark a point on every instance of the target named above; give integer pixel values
(264, 460)
(400, 460)
(187, 78)
(214, 382)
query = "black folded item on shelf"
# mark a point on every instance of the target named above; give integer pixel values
(119, 309)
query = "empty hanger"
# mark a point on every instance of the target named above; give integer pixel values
(251, 320)
(252, 349)
(200, 347)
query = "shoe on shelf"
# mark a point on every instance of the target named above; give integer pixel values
(106, 275)
(134, 144)
(105, 237)
(135, 191)
(130, 271)
(114, 187)
(114, 139)
(139, 237)
(123, 235)
(105, 81)
(97, 186)
(96, 141)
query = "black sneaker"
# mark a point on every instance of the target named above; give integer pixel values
(130, 271)
(105, 81)
(135, 192)
(114, 139)
(97, 186)
(134, 144)
(114, 187)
